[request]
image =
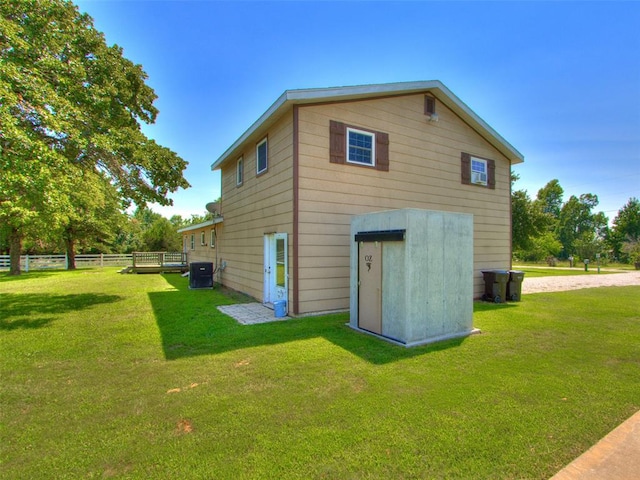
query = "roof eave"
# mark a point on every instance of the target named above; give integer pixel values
(196, 226)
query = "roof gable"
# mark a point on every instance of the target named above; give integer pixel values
(361, 92)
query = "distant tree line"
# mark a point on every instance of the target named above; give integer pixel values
(107, 232)
(148, 231)
(548, 227)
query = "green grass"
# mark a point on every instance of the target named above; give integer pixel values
(578, 266)
(558, 272)
(136, 376)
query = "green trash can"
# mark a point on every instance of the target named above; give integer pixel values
(514, 286)
(495, 285)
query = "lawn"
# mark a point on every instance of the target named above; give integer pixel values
(136, 376)
(558, 272)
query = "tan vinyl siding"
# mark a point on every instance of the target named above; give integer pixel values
(424, 172)
(200, 253)
(262, 204)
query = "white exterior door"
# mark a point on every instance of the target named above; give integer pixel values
(275, 267)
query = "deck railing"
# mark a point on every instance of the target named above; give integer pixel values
(46, 262)
(135, 259)
(159, 259)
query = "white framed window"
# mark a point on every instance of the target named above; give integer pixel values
(361, 147)
(202, 239)
(261, 157)
(193, 241)
(478, 171)
(212, 243)
(239, 171)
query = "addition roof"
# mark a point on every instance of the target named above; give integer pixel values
(196, 226)
(362, 92)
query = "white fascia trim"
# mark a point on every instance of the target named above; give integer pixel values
(277, 105)
(208, 223)
(317, 95)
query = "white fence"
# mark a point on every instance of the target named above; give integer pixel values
(45, 262)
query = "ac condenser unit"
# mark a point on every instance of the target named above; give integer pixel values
(201, 275)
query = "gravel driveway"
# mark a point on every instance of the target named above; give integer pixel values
(576, 282)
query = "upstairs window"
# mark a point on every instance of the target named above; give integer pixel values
(358, 147)
(478, 171)
(261, 157)
(212, 243)
(193, 241)
(202, 239)
(239, 171)
(361, 147)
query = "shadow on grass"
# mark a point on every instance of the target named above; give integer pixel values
(5, 277)
(490, 306)
(190, 324)
(37, 310)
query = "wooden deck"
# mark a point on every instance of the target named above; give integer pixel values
(159, 262)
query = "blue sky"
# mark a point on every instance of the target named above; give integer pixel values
(559, 80)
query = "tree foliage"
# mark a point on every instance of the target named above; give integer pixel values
(549, 227)
(625, 232)
(95, 216)
(527, 221)
(157, 234)
(70, 103)
(550, 198)
(580, 230)
(627, 222)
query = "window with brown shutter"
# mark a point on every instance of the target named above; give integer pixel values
(369, 149)
(477, 171)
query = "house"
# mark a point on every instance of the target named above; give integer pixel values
(199, 241)
(292, 182)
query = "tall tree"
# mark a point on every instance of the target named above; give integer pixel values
(527, 221)
(550, 198)
(579, 229)
(162, 236)
(156, 232)
(95, 217)
(67, 99)
(626, 226)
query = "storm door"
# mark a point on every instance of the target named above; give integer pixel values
(275, 267)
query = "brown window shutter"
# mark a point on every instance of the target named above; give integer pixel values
(491, 174)
(429, 105)
(382, 151)
(465, 169)
(337, 142)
